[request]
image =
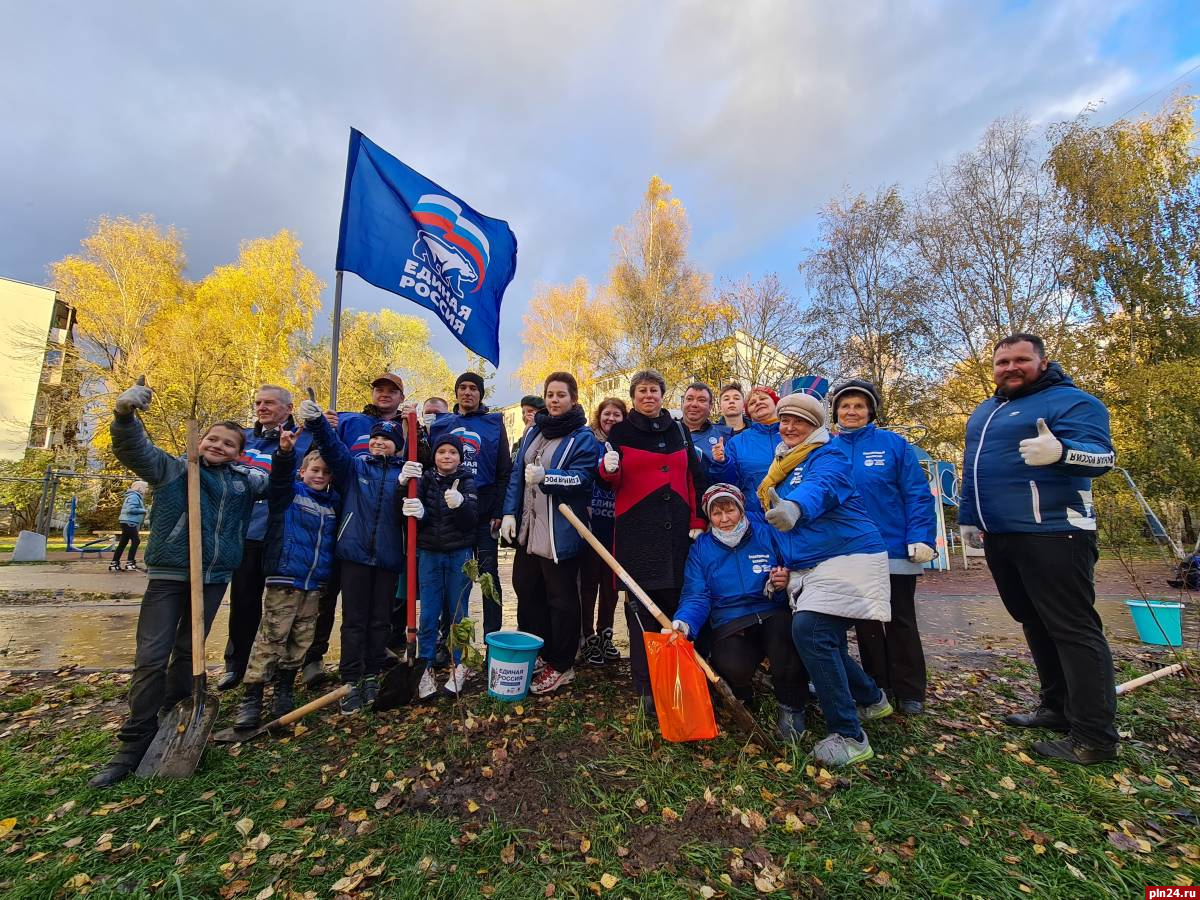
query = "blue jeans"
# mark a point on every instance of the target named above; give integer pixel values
(444, 592)
(840, 681)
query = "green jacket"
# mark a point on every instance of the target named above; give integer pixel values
(227, 495)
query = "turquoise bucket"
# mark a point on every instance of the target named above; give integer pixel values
(1158, 621)
(511, 655)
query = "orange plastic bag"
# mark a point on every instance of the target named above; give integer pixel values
(681, 697)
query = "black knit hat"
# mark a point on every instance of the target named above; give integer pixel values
(472, 378)
(389, 430)
(533, 400)
(453, 440)
(855, 386)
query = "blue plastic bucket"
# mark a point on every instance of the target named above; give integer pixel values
(511, 655)
(1158, 621)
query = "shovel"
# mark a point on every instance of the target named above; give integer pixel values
(399, 685)
(236, 736)
(176, 749)
(741, 715)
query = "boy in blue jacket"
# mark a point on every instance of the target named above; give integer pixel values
(734, 582)
(297, 561)
(370, 545)
(162, 665)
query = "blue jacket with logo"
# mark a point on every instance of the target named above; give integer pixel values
(133, 510)
(371, 531)
(833, 519)
(302, 528)
(1000, 493)
(748, 455)
(603, 506)
(722, 584)
(704, 441)
(486, 454)
(893, 488)
(569, 477)
(261, 444)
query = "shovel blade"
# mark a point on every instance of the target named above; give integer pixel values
(399, 685)
(741, 717)
(177, 747)
(236, 735)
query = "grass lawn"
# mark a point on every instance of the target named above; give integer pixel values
(574, 795)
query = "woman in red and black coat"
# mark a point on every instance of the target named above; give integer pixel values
(655, 475)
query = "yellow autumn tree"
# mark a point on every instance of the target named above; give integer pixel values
(372, 343)
(562, 328)
(659, 304)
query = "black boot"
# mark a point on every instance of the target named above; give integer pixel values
(229, 681)
(120, 766)
(249, 714)
(285, 680)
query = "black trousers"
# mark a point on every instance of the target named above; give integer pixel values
(245, 607)
(162, 662)
(324, 627)
(130, 536)
(639, 620)
(891, 652)
(368, 598)
(548, 605)
(1047, 584)
(596, 582)
(737, 656)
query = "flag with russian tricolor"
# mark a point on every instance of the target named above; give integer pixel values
(408, 235)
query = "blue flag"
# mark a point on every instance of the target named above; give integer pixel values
(405, 234)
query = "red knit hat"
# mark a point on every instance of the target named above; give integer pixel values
(762, 388)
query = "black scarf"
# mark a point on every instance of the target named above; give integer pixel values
(642, 422)
(553, 427)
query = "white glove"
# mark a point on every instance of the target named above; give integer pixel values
(454, 497)
(1043, 450)
(310, 410)
(413, 508)
(783, 514)
(534, 473)
(920, 553)
(508, 528)
(678, 625)
(411, 469)
(694, 533)
(136, 397)
(971, 536)
(612, 459)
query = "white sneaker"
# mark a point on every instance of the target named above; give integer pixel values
(458, 677)
(427, 686)
(550, 680)
(838, 750)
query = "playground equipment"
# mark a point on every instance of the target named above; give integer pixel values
(104, 544)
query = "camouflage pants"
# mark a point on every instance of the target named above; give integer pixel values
(289, 619)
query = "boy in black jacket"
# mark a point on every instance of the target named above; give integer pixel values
(447, 509)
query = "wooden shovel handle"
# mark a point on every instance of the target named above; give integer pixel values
(310, 706)
(1164, 672)
(633, 586)
(195, 547)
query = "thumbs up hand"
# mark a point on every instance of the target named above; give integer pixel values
(453, 496)
(783, 514)
(612, 459)
(136, 397)
(535, 471)
(1043, 450)
(719, 451)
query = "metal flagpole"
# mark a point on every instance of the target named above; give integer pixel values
(337, 336)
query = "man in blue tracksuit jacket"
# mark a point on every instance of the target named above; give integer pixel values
(1032, 451)
(272, 413)
(696, 408)
(488, 459)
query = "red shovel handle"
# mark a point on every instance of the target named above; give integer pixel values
(411, 558)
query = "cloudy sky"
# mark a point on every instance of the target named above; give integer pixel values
(230, 120)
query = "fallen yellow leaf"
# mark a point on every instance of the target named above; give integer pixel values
(244, 826)
(7, 825)
(609, 881)
(1008, 784)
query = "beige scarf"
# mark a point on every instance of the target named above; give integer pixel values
(782, 466)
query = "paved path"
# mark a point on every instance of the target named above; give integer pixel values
(79, 613)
